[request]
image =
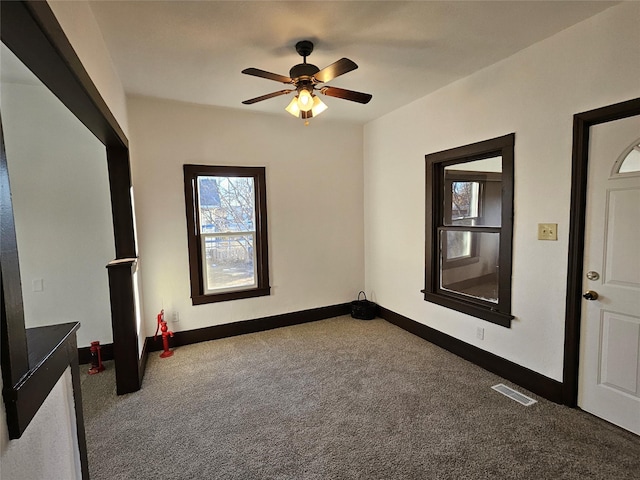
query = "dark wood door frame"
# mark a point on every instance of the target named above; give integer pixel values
(31, 30)
(582, 122)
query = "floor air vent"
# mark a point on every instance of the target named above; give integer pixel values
(511, 393)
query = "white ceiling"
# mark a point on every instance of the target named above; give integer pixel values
(194, 51)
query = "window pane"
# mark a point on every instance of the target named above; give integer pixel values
(464, 200)
(458, 245)
(631, 162)
(226, 204)
(229, 261)
(473, 193)
(491, 204)
(477, 277)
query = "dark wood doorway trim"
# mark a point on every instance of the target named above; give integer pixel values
(31, 30)
(582, 122)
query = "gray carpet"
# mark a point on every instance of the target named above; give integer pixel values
(337, 399)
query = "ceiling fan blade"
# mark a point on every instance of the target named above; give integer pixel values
(256, 72)
(342, 66)
(346, 94)
(267, 96)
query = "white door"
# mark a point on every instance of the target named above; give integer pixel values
(609, 373)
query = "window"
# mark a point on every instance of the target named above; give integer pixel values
(629, 161)
(469, 224)
(227, 232)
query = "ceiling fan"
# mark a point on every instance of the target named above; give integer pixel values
(305, 78)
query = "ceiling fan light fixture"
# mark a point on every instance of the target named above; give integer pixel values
(305, 100)
(293, 108)
(304, 77)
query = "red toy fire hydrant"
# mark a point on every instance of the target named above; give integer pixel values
(162, 325)
(96, 358)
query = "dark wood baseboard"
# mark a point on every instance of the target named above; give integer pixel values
(106, 353)
(526, 378)
(216, 332)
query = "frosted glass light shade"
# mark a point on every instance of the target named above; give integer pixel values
(305, 100)
(318, 106)
(293, 108)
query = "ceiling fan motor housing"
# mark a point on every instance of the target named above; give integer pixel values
(303, 70)
(304, 48)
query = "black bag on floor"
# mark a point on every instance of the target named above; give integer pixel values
(363, 309)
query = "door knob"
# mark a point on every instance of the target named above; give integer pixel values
(590, 295)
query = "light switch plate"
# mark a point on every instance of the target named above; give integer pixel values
(547, 231)
(37, 285)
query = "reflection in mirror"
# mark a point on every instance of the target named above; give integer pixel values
(631, 161)
(477, 277)
(469, 257)
(61, 200)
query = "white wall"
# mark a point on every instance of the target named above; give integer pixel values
(62, 209)
(535, 94)
(314, 204)
(81, 28)
(49, 446)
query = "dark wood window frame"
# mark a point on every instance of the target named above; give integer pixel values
(499, 313)
(261, 250)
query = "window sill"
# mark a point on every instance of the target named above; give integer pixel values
(460, 262)
(479, 311)
(226, 296)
